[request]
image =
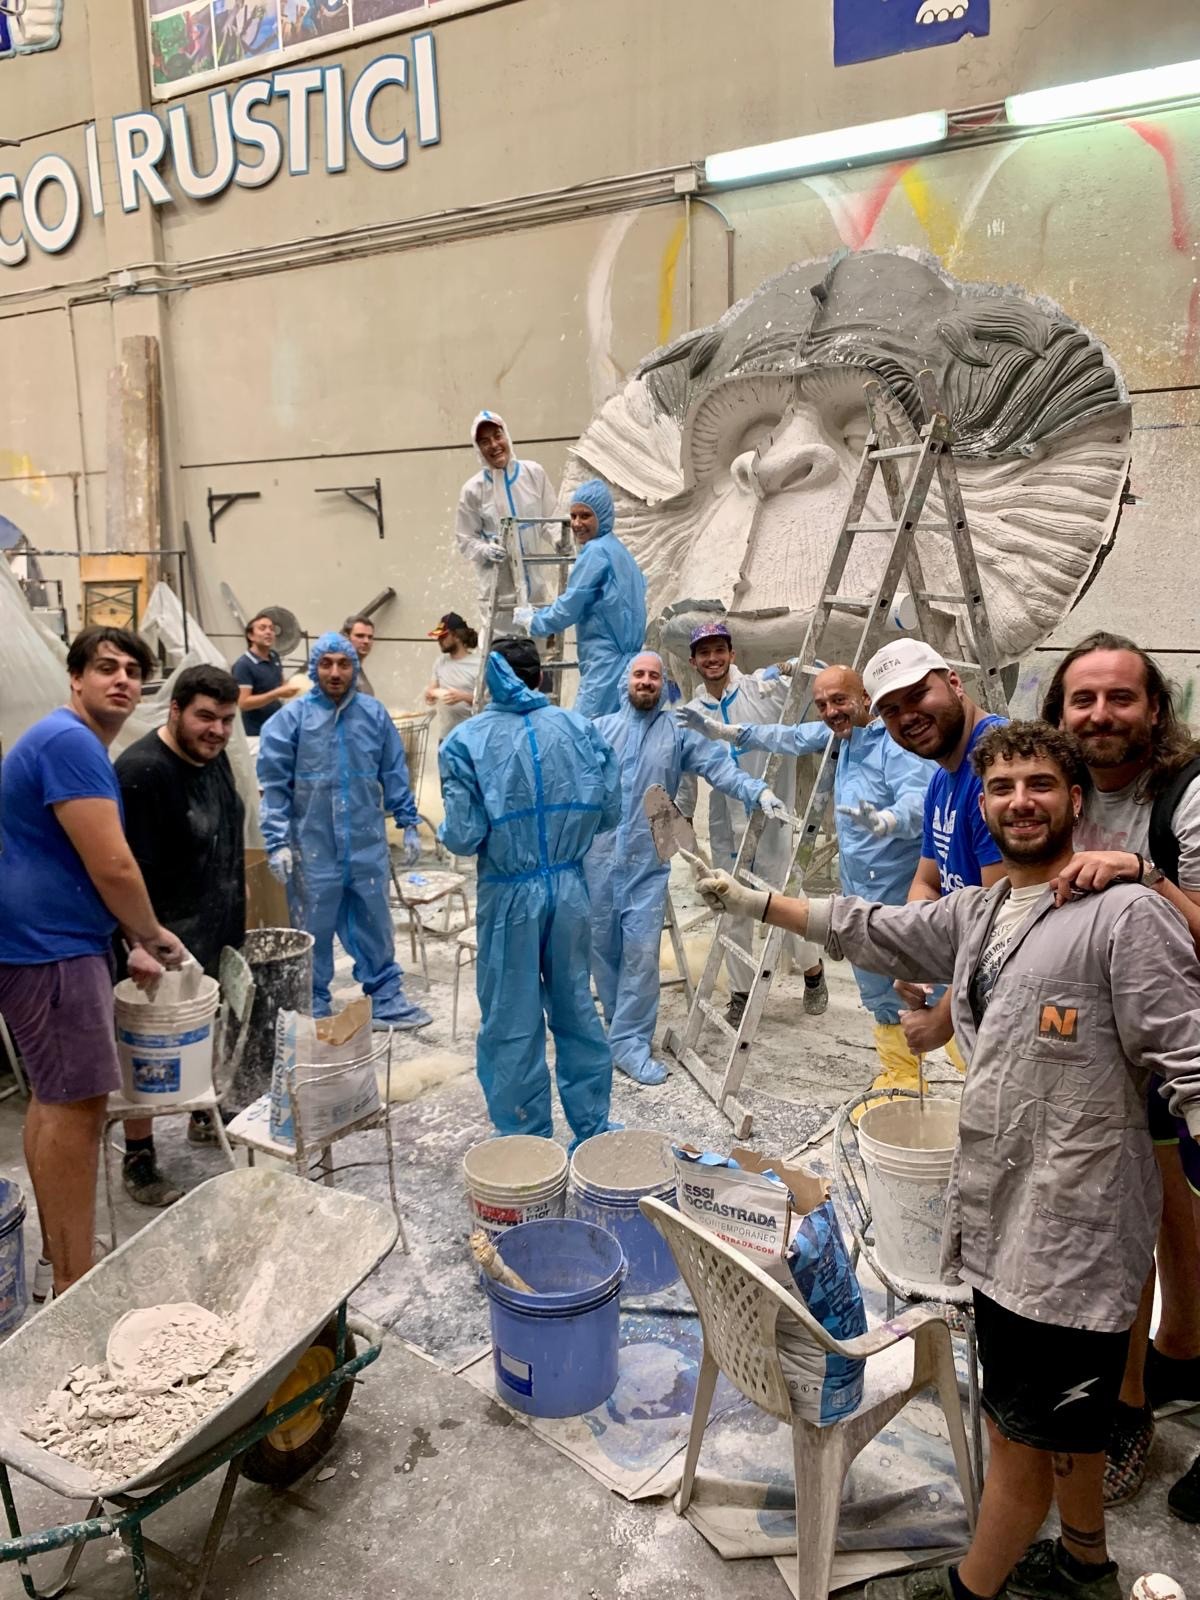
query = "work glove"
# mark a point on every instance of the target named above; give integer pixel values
(412, 847)
(279, 863)
(778, 669)
(880, 823)
(710, 727)
(724, 893)
(495, 553)
(522, 617)
(772, 806)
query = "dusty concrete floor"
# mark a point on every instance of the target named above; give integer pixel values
(438, 1492)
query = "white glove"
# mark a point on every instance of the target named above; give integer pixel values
(522, 617)
(880, 823)
(724, 893)
(279, 863)
(412, 847)
(495, 553)
(772, 806)
(710, 727)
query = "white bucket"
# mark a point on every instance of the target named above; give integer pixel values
(519, 1178)
(165, 1045)
(907, 1153)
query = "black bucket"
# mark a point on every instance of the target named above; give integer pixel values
(280, 960)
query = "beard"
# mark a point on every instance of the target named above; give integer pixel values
(642, 700)
(1116, 747)
(950, 722)
(1031, 852)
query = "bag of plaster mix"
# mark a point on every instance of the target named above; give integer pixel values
(783, 1220)
(318, 1056)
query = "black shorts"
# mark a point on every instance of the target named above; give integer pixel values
(1045, 1386)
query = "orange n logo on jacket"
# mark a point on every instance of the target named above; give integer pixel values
(1055, 1022)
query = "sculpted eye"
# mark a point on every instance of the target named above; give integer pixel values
(732, 420)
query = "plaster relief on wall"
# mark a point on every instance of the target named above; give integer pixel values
(732, 451)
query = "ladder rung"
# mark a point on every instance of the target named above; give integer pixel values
(547, 561)
(734, 948)
(896, 452)
(943, 599)
(559, 666)
(870, 527)
(717, 1018)
(858, 608)
(757, 882)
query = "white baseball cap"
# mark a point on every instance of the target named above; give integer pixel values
(899, 666)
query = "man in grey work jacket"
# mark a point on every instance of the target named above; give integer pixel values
(1064, 1013)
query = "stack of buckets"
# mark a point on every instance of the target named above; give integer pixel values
(14, 1295)
(555, 1352)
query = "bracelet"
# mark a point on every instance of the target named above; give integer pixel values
(1141, 871)
(766, 908)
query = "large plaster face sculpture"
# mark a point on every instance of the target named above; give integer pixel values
(732, 453)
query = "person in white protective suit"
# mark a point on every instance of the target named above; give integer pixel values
(504, 487)
(879, 793)
(626, 880)
(729, 695)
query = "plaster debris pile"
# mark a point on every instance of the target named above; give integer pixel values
(168, 1368)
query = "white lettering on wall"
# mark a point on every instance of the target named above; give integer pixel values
(382, 153)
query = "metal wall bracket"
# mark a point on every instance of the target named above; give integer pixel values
(219, 503)
(367, 495)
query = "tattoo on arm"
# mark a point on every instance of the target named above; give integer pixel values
(1085, 1541)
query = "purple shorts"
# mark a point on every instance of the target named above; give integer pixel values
(61, 1018)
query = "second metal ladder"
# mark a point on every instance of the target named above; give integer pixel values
(518, 565)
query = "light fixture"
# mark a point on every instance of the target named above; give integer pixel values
(1071, 100)
(839, 146)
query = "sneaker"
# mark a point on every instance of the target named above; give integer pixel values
(1184, 1497)
(43, 1281)
(816, 996)
(1128, 1446)
(736, 1008)
(145, 1183)
(200, 1129)
(1169, 1379)
(933, 1583)
(1040, 1575)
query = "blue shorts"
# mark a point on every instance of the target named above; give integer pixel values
(1167, 1130)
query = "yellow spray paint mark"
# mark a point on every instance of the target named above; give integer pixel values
(19, 469)
(666, 281)
(937, 218)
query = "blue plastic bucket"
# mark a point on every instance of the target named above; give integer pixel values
(14, 1295)
(555, 1351)
(610, 1173)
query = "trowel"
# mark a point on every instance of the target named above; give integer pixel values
(672, 832)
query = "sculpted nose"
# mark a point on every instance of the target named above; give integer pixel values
(794, 457)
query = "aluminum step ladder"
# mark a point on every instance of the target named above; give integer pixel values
(721, 1075)
(518, 564)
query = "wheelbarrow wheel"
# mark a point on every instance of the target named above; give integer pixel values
(289, 1451)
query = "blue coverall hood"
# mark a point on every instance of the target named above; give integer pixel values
(596, 495)
(507, 690)
(332, 643)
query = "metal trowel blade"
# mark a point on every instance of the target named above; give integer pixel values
(669, 828)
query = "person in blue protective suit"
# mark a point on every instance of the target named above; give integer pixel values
(526, 787)
(604, 601)
(879, 792)
(331, 769)
(627, 881)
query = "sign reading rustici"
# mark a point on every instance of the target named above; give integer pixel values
(248, 151)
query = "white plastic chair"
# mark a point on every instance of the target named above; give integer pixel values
(740, 1311)
(229, 1042)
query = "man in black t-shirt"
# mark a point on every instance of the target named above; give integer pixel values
(184, 821)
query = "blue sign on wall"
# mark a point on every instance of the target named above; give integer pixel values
(864, 30)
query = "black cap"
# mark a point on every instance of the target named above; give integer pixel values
(450, 623)
(522, 657)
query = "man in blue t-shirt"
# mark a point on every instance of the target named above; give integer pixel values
(68, 880)
(925, 709)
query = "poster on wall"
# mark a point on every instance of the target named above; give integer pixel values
(865, 30)
(192, 41)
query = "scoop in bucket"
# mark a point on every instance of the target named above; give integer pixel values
(671, 831)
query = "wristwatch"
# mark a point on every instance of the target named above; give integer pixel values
(1148, 873)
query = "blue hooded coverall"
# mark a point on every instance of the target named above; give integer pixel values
(330, 772)
(870, 766)
(605, 602)
(627, 881)
(527, 786)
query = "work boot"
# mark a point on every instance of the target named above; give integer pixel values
(145, 1183)
(43, 1281)
(1171, 1378)
(1184, 1497)
(816, 995)
(933, 1583)
(650, 1071)
(1128, 1446)
(399, 1012)
(735, 1010)
(1042, 1574)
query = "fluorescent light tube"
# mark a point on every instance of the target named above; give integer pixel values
(814, 150)
(1178, 82)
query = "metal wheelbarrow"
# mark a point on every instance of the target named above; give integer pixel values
(283, 1256)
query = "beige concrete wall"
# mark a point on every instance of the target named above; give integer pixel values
(372, 366)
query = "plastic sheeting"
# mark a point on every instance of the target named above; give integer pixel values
(32, 662)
